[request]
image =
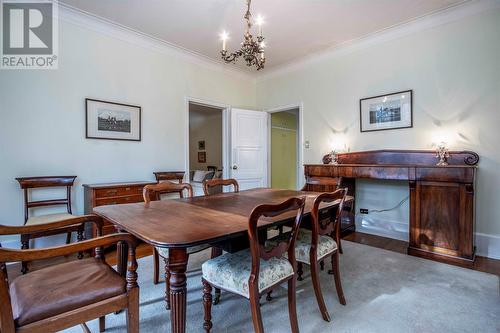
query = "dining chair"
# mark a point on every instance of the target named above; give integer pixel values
(70, 293)
(211, 183)
(153, 193)
(253, 272)
(329, 184)
(314, 245)
(29, 185)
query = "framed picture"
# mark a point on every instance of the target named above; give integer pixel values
(201, 145)
(112, 121)
(202, 157)
(385, 112)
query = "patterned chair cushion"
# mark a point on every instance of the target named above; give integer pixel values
(231, 272)
(164, 252)
(42, 219)
(326, 246)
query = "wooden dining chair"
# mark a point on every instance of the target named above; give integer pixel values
(28, 185)
(153, 193)
(67, 294)
(253, 272)
(211, 183)
(314, 245)
(330, 184)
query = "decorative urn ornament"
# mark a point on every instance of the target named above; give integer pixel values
(331, 158)
(442, 154)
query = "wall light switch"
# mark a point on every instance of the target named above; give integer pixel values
(306, 144)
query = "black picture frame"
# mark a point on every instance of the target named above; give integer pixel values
(88, 136)
(410, 92)
(201, 145)
(202, 157)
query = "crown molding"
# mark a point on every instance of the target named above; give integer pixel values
(113, 29)
(450, 14)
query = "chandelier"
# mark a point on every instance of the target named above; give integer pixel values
(251, 50)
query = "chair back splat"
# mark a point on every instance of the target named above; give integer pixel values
(207, 184)
(286, 244)
(152, 192)
(331, 225)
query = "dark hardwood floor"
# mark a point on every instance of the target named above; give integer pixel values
(482, 264)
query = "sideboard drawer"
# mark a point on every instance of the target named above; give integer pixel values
(118, 191)
(446, 174)
(319, 170)
(118, 200)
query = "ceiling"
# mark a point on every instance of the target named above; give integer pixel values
(293, 29)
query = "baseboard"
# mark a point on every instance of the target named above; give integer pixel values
(10, 242)
(487, 245)
(382, 227)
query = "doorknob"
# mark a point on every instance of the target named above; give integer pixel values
(235, 167)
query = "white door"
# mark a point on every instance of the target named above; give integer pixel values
(249, 148)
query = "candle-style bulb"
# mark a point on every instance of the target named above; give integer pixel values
(224, 36)
(260, 22)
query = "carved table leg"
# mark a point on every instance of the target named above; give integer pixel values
(25, 244)
(121, 258)
(178, 259)
(167, 284)
(121, 253)
(79, 238)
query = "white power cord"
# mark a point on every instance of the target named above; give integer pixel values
(389, 209)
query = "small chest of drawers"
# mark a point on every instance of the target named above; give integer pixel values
(111, 194)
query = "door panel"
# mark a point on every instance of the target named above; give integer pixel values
(249, 148)
(439, 216)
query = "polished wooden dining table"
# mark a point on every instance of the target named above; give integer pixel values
(182, 223)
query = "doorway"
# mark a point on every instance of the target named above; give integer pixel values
(285, 149)
(206, 140)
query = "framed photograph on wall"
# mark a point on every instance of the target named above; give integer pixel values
(202, 157)
(386, 112)
(112, 121)
(201, 145)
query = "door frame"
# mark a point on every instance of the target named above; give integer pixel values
(300, 134)
(226, 111)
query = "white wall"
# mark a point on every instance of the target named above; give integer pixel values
(42, 124)
(454, 71)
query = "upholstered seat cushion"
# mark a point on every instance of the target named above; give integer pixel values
(231, 272)
(164, 252)
(60, 288)
(48, 218)
(326, 246)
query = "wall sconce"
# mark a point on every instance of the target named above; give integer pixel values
(442, 154)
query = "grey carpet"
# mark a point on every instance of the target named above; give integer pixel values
(385, 292)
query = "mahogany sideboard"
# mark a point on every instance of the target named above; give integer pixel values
(111, 194)
(442, 213)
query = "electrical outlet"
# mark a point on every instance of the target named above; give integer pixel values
(363, 211)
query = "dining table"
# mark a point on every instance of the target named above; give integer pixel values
(182, 223)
